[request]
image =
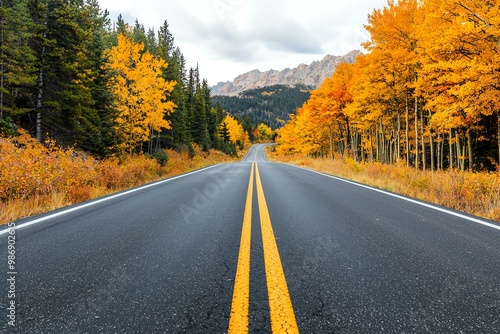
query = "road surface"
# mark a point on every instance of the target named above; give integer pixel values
(251, 246)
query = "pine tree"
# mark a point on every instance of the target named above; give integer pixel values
(210, 115)
(179, 119)
(60, 44)
(224, 132)
(100, 138)
(139, 34)
(199, 130)
(17, 60)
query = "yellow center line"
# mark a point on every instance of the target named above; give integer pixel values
(238, 321)
(280, 305)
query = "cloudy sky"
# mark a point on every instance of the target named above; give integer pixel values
(230, 37)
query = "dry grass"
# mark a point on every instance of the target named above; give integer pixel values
(38, 178)
(474, 193)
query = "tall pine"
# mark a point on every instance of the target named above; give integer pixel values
(17, 62)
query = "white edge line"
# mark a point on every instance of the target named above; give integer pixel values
(430, 206)
(82, 206)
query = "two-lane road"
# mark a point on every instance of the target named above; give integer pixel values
(313, 253)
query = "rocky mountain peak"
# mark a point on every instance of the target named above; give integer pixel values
(309, 75)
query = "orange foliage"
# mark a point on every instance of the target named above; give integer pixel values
(474, 193)
(236, 132)
(36, 178)
(431, 74)
(140, 92)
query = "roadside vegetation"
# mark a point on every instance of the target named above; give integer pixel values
(38, 178)
(418, 114)
(471, 192)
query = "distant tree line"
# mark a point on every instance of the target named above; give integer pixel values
(61, 71)
(270, 105)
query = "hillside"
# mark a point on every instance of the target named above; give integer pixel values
(310, 75)
(269, 105)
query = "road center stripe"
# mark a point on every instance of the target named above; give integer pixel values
(238, 321)
(280, 305)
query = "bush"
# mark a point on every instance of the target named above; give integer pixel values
(36, 178)
(161, 157)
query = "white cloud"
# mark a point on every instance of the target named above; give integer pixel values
(230, 37)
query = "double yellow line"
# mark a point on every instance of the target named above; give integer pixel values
(280, 305)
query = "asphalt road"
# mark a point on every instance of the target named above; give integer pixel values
(163, 259)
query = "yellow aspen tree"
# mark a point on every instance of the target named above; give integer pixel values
(368, 105)
(265, 132)
(395, 62)
(308, 131)
(286, 140)
(460, 69)
(236, 132)
(139, 92)
(333, 96)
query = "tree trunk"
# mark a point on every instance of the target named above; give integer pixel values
(330, 132)
(40, 96)
(398, 138)
(424, 153)
(372, 154)
(380, 141)
(150, 142)
(407, 132)
(498, 135)
(417, 158)
(341, 145)
(460, 154)
(158, 137)
(431, 142)
(442, 151)
(469, 147)
(390, 148)
(450, 142)
(438, 153)
(39, 107)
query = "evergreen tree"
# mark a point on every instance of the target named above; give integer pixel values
(17, 61)
(40, 43)
(210, 115)
(102, 140)
(199, 130)
(151, 46)
(248, 127)
(224, 132)
(190, 91)
(179, 119)
(179, 134)
(121, 27)
(66, 99)
(139, 34)
(166, 46)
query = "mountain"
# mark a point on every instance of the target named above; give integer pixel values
(270, 105)
(309, 75)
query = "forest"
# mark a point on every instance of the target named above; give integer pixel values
(270, 105)
(426, 94)
(69, 75)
